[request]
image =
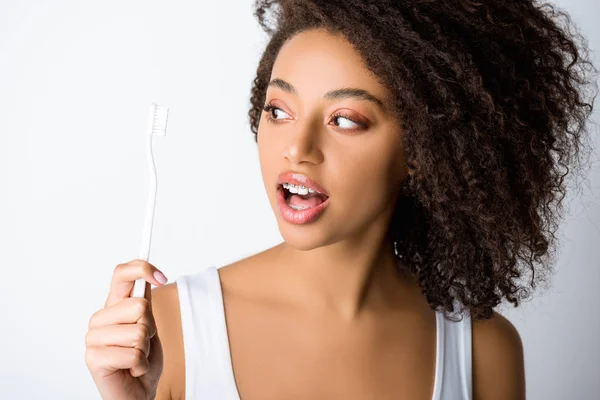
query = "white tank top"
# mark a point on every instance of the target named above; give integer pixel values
(209, 372)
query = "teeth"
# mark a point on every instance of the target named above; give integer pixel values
(302, 190)
(298, 208)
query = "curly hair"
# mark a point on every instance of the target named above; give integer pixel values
(494, 99)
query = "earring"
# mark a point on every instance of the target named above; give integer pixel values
(411, 171)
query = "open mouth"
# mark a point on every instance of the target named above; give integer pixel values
(302, 201)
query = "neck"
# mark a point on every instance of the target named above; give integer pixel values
(347, 278)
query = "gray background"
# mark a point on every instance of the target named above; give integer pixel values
(76, 79)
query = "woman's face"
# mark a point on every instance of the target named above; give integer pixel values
(349, 145)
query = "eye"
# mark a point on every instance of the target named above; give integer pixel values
(350, 125)
(269, 109)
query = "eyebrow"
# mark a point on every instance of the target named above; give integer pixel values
(336, 94)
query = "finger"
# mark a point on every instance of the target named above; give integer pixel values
(155, 350)
(132, 310)
(107, 360)
(124, 277)
(132, 336)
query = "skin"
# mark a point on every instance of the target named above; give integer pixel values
(330, 313)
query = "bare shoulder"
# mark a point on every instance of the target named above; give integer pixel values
(498, 364)
(165, 308)
(166, 311)
(244, 275)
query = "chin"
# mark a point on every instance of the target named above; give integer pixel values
(302, 238)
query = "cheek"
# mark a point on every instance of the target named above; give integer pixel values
(269, 157)
(369, 178)
(263, 154)
(376, 166)
(264, 145)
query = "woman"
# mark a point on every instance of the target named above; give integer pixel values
(433, 137)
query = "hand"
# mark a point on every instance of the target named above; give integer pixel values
(123, 350)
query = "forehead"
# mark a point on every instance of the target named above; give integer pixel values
(317, 61)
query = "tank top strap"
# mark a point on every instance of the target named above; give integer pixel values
(208, 371)
(455, 358)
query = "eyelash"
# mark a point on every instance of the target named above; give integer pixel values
(268, 108)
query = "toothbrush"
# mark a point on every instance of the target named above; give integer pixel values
(157, 126)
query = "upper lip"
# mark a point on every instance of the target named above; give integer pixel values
(300, 179)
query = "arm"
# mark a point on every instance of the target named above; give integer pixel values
(498, 366)
(165, 308)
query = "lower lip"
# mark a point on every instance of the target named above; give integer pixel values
(298, 217)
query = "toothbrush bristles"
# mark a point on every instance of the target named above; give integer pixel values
(159, 121)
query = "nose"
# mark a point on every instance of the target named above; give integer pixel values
(304, 144)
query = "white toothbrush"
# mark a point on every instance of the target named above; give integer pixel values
(157, 126)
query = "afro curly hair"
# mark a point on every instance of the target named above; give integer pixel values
(494, 99)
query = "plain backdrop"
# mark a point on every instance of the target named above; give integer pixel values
(76, 80)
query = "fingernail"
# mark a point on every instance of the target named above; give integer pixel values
(160, 277)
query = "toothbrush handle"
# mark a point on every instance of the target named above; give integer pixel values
(139, 287)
